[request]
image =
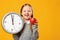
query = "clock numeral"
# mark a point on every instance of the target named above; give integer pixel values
(11, 29)
(19, 23)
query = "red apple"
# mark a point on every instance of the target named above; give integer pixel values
(32, 20)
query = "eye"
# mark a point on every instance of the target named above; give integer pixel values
(24, 11)
(29, 11)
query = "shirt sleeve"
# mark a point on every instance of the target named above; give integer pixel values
(15, 36)
(35, 32)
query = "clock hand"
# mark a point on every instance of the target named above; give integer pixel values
(12, 16)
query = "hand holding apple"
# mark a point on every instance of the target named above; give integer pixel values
(33, 21)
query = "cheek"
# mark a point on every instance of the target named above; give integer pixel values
(30, 14)
(23, 13)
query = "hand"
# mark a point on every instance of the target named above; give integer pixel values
(33, 21)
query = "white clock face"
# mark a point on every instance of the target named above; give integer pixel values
(12, 23)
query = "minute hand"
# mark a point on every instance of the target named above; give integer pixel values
(12, 16)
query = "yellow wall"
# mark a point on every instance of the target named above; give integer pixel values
(47, 13)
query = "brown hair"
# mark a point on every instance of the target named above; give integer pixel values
(23, 7)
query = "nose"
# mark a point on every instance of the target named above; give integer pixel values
(27, 14)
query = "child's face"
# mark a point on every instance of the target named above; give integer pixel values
(27, 12)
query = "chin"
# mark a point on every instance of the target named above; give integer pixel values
(27, 18)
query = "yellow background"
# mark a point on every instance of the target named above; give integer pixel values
(47, 13)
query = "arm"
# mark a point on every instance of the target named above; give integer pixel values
(35, 31)
(15, 36)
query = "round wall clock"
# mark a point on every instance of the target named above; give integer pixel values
(12, 23)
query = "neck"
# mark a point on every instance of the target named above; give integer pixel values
(25, 20)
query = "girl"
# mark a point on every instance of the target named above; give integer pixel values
(29, 32)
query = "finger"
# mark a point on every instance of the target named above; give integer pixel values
(35, 23)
